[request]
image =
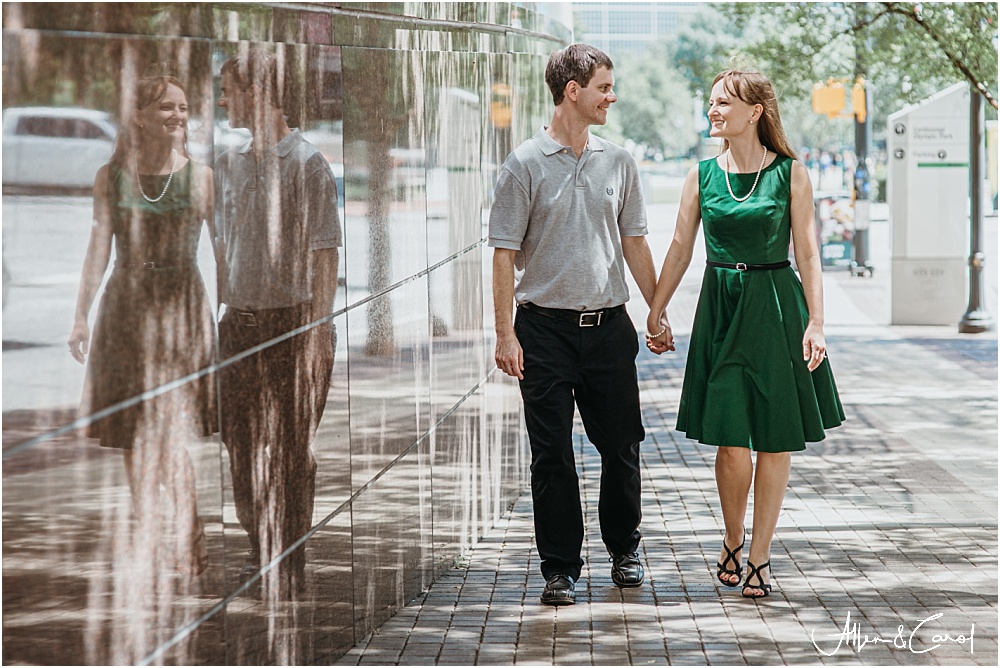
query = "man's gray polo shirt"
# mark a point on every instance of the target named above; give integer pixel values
(270, 212)
(566, 217)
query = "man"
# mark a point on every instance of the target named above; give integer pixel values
(568, 212)
(277, 234)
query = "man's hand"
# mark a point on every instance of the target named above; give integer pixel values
(509, 356)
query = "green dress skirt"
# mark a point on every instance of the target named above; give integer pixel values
(745, 383)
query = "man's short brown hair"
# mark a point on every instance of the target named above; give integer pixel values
(577, 62)
(257, 67)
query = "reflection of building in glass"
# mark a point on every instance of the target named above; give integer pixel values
(628, 27)
(419, 450)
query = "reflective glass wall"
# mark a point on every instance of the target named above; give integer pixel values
(249, 402)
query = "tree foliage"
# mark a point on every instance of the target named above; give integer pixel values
(654, 108)
(705, 44)
(908, 50)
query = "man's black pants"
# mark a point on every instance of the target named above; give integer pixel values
(595, 367)
(272, 403)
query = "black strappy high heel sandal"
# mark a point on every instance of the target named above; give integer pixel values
(721, 569)
(754, 572)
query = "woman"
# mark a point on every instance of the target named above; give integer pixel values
(756, 378)
(154, 324)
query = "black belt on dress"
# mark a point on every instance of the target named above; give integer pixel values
(742, 266)
(594, 318)
(156, 266)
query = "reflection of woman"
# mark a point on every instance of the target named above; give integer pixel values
(756, 377)
(154, 324)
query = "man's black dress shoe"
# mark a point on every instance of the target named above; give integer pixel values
(626, 571)
(559, 590)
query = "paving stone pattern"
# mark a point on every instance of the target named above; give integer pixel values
(889, 530)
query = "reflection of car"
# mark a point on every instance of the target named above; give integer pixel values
(55, 147)
(407, 170)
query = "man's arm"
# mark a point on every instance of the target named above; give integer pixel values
(509, 356)
(218, 232)
(640, 262)
(324, 289)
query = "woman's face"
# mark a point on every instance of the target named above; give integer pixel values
(728, 115)
(165, 119)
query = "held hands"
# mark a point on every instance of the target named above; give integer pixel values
(79, 341)
(664, 339)
(813, 346)
(509, 356)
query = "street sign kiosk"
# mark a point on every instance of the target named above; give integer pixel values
(929, 208)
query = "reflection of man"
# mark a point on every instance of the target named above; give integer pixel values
(278, 234)
(568, 211)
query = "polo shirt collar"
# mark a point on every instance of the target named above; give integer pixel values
(550, 146)
(282, 148)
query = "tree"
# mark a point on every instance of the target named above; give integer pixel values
(654, 109)
(705, 43)
(908, 50)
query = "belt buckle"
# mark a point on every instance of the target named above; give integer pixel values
(595, 319)
(247, 319)
(149, 265)
(741, 266)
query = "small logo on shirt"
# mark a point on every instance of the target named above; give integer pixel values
(611, 191)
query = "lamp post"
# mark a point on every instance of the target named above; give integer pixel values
(860, 266)
(976, 318)
(861, 97)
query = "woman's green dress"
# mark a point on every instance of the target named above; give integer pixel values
(746, 383)
(154, 324)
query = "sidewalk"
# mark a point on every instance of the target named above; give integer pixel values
(889, 530)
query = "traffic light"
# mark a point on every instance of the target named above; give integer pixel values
(829, 99)
(500, 105)
(858, 101)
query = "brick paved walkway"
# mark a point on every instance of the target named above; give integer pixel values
(889, 522)
(892, 520)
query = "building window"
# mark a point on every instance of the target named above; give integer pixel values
(630, 22)
(591, 21)
(666, 22)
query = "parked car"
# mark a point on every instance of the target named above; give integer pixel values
(55, 148)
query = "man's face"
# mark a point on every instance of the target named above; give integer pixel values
(236, 102)
(593, 101)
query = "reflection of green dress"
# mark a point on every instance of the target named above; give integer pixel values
(745, 383)
(154, 323)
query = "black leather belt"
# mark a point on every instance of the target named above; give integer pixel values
(256, 317)
(742, 266)
(578, 318)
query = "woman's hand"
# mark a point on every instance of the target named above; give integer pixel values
(813, 346)
(664, 339)
(79, 340)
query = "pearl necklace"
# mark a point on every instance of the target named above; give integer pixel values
(138, 181)
(753, 187)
